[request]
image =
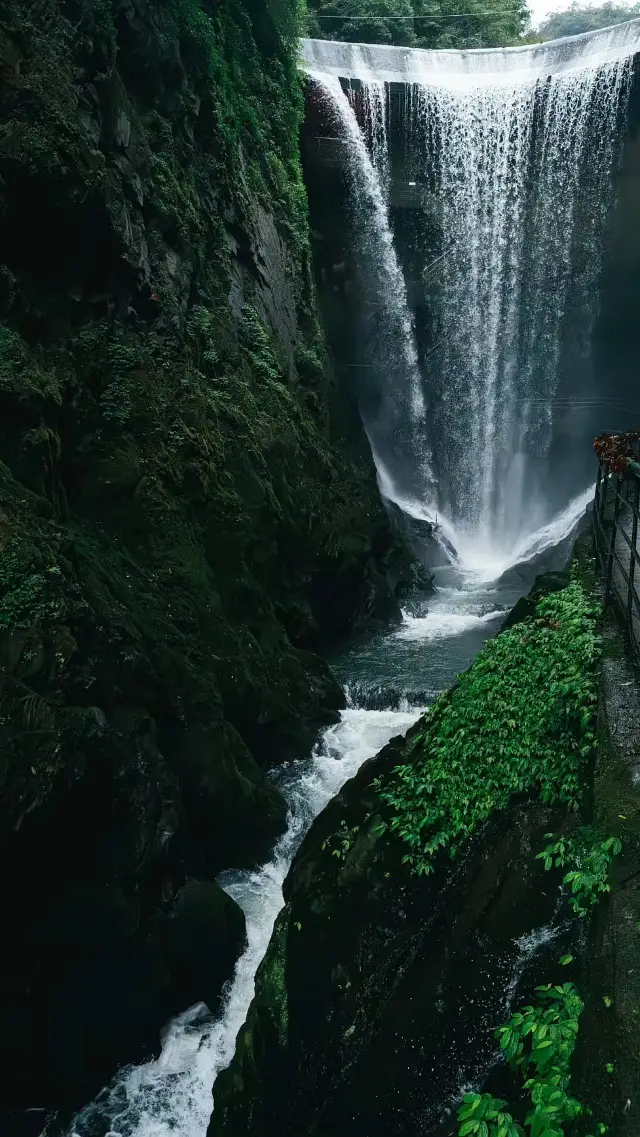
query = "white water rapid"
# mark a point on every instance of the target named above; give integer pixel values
(516, 152)
(171, 1097)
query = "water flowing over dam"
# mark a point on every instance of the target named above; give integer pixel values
(517, 152)
(491, 66)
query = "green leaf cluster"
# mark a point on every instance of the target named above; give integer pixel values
(342, 841)
(579, 18)
(482, 1115)
(538, 1042)
(520, 720)
(589, 857)
(420, 23)
(543, 1036)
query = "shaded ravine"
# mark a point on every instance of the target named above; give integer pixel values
(404, 668)
(394, 982)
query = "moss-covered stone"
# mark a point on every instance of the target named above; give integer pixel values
(386, 1010)
(179, 508)
(394, 981)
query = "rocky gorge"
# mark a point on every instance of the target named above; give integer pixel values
(188, 514)
(318, 745)
(380, 1022)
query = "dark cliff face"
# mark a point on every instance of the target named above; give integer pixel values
(181, 523)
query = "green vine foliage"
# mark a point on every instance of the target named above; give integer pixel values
(483, 1115)
(589, 857)
(252, 59)
(342, 841)
(538, 1042)
(521, 719)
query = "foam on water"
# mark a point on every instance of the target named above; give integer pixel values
(481, 561)
(479, 67)
(439, 624)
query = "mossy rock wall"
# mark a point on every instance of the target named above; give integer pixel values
(183, 522)
(380, 989)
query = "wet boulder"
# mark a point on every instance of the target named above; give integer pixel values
(205, 934)
(525, 607)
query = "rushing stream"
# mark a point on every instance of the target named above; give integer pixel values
(389, 678)
(505, 140)
(172, 1096)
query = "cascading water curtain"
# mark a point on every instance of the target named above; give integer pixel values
(391, 391)
(372, 100)
(522, 173)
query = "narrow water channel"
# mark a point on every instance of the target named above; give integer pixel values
(390, 678)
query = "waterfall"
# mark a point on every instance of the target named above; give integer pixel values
(397, 419)
(517, 151)
(522, 173)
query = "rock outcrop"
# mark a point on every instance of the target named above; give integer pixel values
(184, 523)
(373, 1022)
(418, 914)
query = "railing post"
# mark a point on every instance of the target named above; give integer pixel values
(632, 558)
(604, 495)
(598, 512)
(612, 540)
(622, 452)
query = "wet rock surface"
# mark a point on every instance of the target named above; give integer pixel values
(610, 1031)
(380, 989)
(526, 606)
(378, 997)
(185, 521)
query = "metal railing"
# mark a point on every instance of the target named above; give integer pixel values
(617, 533)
